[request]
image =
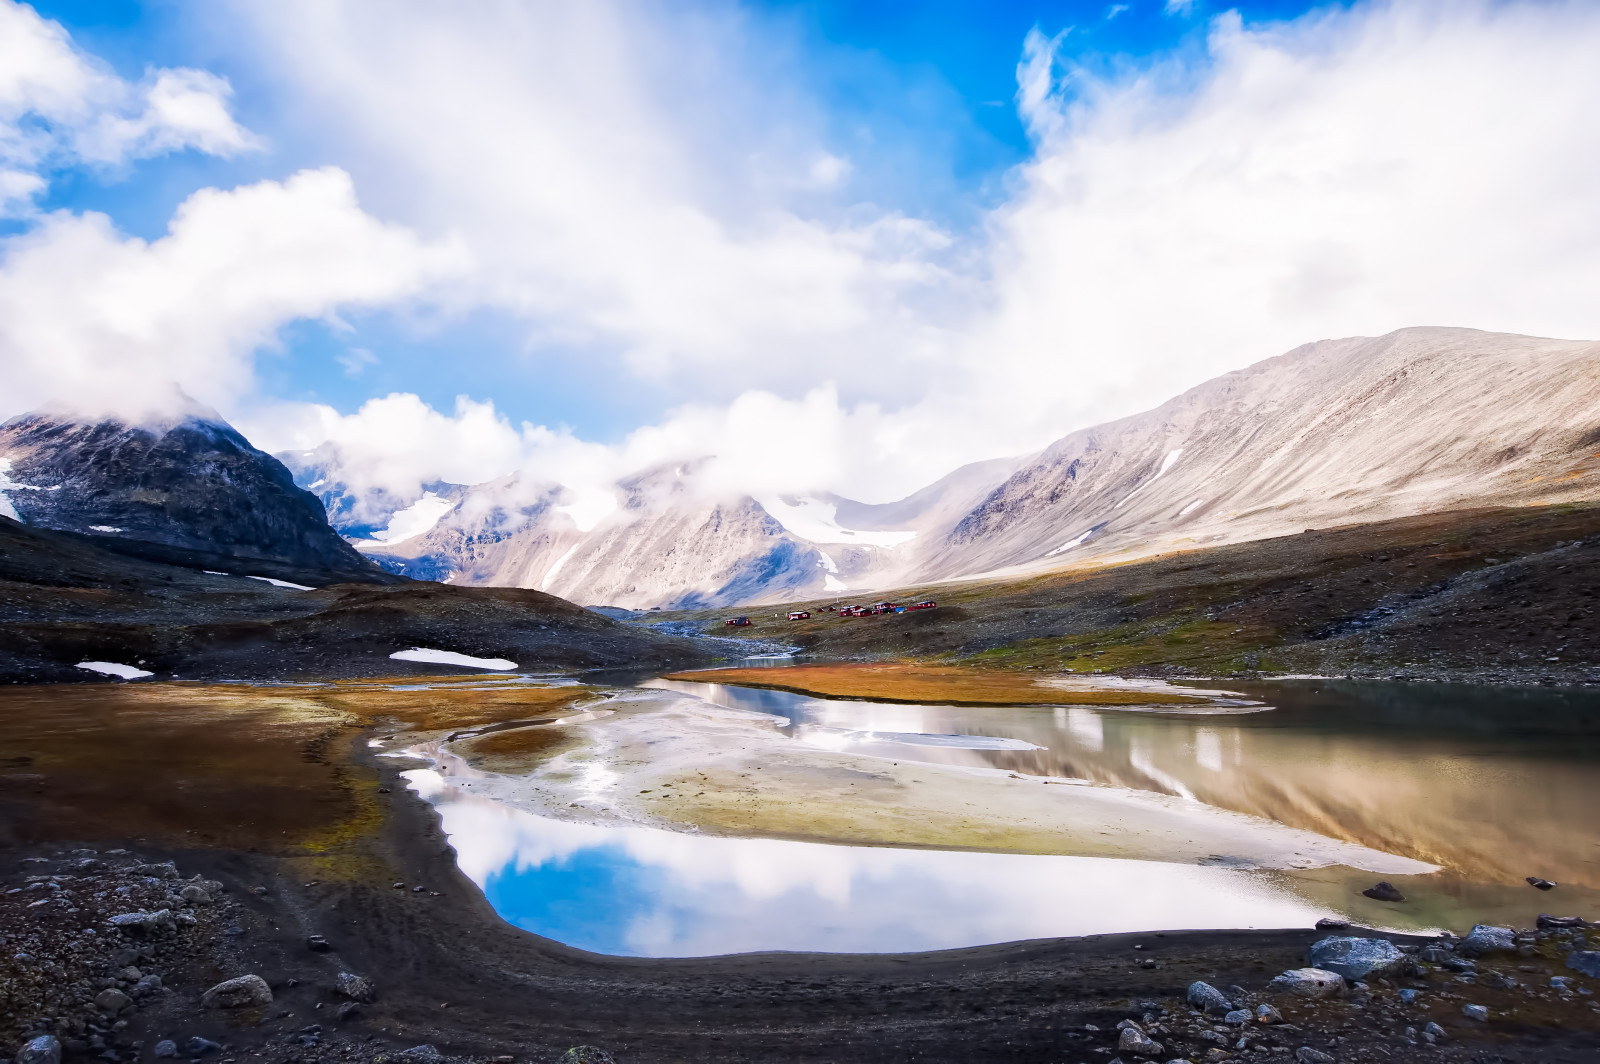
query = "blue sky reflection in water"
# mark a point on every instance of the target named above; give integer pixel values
(649, 892)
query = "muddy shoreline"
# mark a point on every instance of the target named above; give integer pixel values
(450, 973)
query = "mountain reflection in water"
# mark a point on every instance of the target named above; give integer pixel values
(1494, 784)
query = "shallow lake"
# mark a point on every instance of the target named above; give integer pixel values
(1488, 785)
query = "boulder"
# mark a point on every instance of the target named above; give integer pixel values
(353, 986)
(1540, 884)
(1356, 958)
(45, 1049)
(199, 1047)
(1133, 1040)
(1208, 999)
(195, 894)
(240, 993)
(1475, 1012)
(1307, 1055)
(423, 1054)
(1268, 1015)
(1384, 891)
(1486, 939)
(1237, 1018)
(1332, 923)
(143, 923)
(1309, 983)
(1546, 922)
(1585, 961)
(112, 1001)
(165, 1049)
(586, 1055)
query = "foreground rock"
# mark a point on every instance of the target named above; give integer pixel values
(244, 992)
(1309, 983)
(1356, 958)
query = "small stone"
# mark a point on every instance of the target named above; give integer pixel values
(1561, 982)
(1208, 999)
(1475, 1012)
(353, 986)
(199, 1047)
(347, 1009)
(1586, 962)
(1356, 958)
(1332, 923)
(144, 923)
(1307, 1055)
(1408, 996)
(195, 894)
(147, 984)
(399, 886)
(418, 890)
(164, 1049)
(1268, 1015)
(1433, 1030)
(112, 1001)
(423, 1054)
(587, 1055)
(1309, 983)
(1546, 922)
(1540, 884)
(45, 1049)
(1486, 939)
(1133, 1040)
(1384, 891)
(239, 993)
(1237, 1018)
(317, 944)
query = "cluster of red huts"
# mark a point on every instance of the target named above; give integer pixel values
(845, 611)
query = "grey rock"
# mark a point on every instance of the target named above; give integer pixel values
(1309, 983)
(1208, 999)
(1332, 923)
(587, 1055)
(147, 984)
(1546, 922)
(1356, 958)
(195, 894)
(112, 1001)
(164, 870)
(1133, 1040)
(144, 923)
(423, 1054)
(1237, 1018)
(1268, 1015)
(1561, 982)
(1307, 1055)
(346, 1010)
(1475, 1012)
(1435, 955)
(46, 1049)
(1408, 996)
(1433, 1030)
(1586, 962)
(239, 993)
(1384, 891)
(199, 1047)
(1540, 884)
(165, 1049)
(1486, 939)
(353, 986)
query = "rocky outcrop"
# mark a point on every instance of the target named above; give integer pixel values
(190, 490)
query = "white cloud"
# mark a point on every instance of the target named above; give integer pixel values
(59, 105)
(1182, 8)
(103, 321)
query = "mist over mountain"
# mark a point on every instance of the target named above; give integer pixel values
(1335, 432)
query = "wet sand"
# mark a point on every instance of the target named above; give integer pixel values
(334, 827)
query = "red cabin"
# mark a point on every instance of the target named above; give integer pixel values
(737, 622)
(930, 604)
(799, 615)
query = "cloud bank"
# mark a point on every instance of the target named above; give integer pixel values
(652, 193)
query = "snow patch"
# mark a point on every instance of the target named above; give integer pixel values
(1166, 464)
(550, 573)
(279, 583)
(827, 562)
(450, 657)
(105, 528)
(815, 520)
(1190, 507)
(1080, 538)
(831, 583)
(112, 668)
(413, 521)
(7, 484)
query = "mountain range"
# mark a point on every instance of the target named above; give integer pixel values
(1336, 432)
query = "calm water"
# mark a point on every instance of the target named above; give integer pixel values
(1491, 785)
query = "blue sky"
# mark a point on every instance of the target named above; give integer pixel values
(921, 95)
(648, 231)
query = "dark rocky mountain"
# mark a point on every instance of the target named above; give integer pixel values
(190, 490)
